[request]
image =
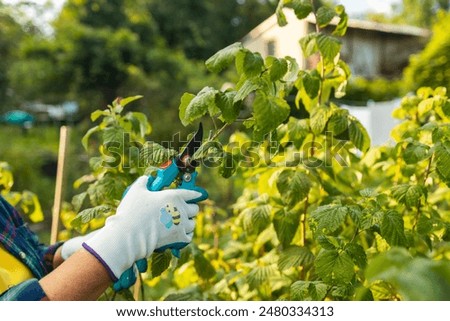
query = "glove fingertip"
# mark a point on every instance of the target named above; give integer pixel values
(188, 194)
(141, 181)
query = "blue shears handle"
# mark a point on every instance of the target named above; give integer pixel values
(165, 176)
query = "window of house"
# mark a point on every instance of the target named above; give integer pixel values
(271, 48)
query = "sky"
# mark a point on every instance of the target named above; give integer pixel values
(355, 7)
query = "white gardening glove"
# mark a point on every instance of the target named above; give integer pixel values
(69, 247)
(144, 221)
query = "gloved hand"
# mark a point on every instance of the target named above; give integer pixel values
(69, 247)
(144, 221)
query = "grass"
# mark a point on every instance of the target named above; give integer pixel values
(33, 156)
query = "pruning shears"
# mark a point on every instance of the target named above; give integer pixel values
(181, 169)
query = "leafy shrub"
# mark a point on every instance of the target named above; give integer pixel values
(322, 215)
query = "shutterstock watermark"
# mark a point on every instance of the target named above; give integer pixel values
(270, 153)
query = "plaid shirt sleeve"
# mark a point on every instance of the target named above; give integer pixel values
(19, 240)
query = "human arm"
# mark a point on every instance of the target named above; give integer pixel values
(140, 226)
(79, 278)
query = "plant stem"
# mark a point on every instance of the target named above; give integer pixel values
(312, 149)
(322, 69)
(303, 222)
(214, 123)
(218, 132)
(419, 203)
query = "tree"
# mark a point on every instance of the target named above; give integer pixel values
(200, 28)
(99, 50)
(420, 13)
(11, 33)
(432, 66)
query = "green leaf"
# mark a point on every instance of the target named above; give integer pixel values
(89, 214)
(442, 153)
(153, 154)
(329, 242)
(229, 108)
(139, 123)
(107, 189)
(425, 106)
(229, 164)
(308, 291)
(293, 186)
(295, 256)
(446, 108)
(441, 133)
(247, 87)
(224, 57)
(183, 296)
(269, 111)
(184, 103)
(286, 224)
(281, 17)
(357, 216)
(329, 217)
(30, 206)
(160, 262)
(293, 69)
(357, 254)
(338, 122)
(358, 135)
(202, 265)
(210, 148)
(249, 63)
(127, 100)
(310, 83)
(277, 67)
(334, 266)
(341, 27)
(339, 79)
(415, 279)
(424, 225)
(98, 113)
(392, 228)
(302, 8)
(407, 194)
(192, 108)
(113, 134)
(328, 46)
(78, 200)
(259, 275)
(124, 295)
(85, 139)
(319, 118)
(324, 16)
(415, 152)
(309, 44)
(257, 218)
(298, 129)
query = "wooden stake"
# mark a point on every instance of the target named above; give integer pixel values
(137, 288)
(63, 141)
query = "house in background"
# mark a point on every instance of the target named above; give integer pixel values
(370, 49)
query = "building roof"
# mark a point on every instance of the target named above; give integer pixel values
(271, 22)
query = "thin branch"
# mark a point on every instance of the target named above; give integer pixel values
(419, 203)
(322, 69)
(218, 132)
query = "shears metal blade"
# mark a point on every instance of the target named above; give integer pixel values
(185, 161)
(181, 169)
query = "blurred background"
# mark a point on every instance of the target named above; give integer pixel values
(60, 60)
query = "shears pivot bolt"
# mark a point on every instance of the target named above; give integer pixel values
(187, 177)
